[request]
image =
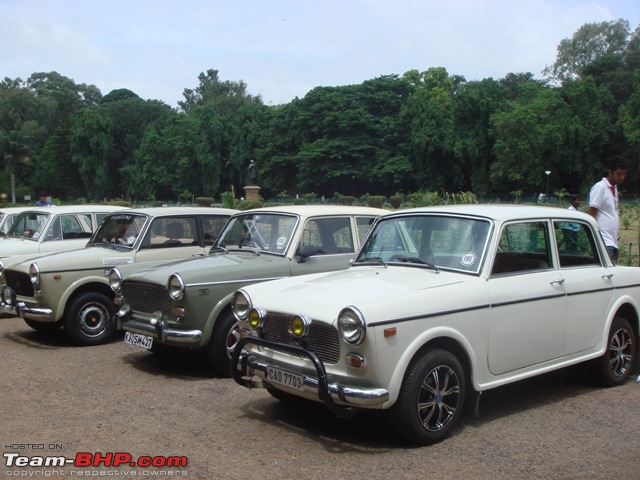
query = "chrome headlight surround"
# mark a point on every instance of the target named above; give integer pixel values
(351, 325)
(34, 274)
(175, 287)
(1, 271)
(8, 296)
(299, 326)
(115, 280)
(241, 305)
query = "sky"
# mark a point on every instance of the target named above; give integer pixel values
(283, 49)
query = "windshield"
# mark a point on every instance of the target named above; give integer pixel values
(29, 225)
(119, 229)
(266, 232)
(447, 242)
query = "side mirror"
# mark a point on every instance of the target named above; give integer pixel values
(306, 251)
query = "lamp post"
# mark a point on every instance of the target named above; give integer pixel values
(547, 173)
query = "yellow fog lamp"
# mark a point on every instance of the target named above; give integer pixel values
(299, 326)
(256, 318)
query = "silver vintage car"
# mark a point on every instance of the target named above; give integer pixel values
(187, 304)
(71, 289)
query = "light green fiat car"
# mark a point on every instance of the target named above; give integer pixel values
(71, 289)
(187, 304)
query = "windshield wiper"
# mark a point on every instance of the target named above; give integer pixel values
(371, 261)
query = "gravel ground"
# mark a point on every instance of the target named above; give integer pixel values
(63, 400)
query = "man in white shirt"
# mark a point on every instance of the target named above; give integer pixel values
(603, 203)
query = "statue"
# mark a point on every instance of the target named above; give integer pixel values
(252, 174)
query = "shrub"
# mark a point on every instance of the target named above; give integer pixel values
(204, 201)
(375, 201)
(346, 200)
(395, 201)
(249, 204)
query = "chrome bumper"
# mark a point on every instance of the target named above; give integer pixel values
(164, 334)
(340, 399)
(30, 313)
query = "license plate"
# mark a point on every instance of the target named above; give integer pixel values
(138, 340)
(287, 379)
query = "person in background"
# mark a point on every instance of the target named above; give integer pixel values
(42, 200)
(574, 201)
(604, 203)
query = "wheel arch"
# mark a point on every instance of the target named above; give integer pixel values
(93, 287)
(457, 346)
(630, 312)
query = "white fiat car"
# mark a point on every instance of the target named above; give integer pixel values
(441, 304)
(52, 229)
(8, 216)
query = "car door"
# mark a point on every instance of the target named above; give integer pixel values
(528, 303)
(588, 284)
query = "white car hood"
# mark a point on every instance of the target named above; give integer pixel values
(370, 289)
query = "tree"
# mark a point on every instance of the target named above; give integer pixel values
(13, 151)
(590, 42)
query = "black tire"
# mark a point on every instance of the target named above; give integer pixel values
(43, 326)
(88, 320)
(618, 361)
(223, 341)
(431, 398)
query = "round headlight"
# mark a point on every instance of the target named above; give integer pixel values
(34, 273)
(256, 318)
(8, 295)
(351, 326)
(241, 305)
(299, 326)
(176, 287)
(115, 280)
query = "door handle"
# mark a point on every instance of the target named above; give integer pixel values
(560, 281)
(607, 276)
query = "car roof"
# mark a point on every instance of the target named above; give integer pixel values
(500, 212)
(319, 210)
(158, 211)
(10, 210)
(84, 208)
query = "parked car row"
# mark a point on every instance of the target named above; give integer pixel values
(414, 313)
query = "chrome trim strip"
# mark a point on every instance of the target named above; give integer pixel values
(165, 335)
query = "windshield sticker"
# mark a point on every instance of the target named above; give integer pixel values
(282, 241)
(468, 259)
(114, 262)
(121, 217)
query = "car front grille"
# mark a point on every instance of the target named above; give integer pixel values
(323, 339)
(146, 297)
(20, 282)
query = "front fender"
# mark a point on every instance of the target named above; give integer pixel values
(64, 294)
(394, 383)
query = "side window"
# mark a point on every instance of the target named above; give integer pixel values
(576, 245)
(522, 247)
(364, 225)
(55, 231)
(212, 226)
(328, 235)
(172, 232)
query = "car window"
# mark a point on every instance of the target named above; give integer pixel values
(364, 225)
(450, 242)
(328, 235)
(212, 226)
(522, 247)
(576, 244)
(171, 232)
(121, 229)
(266, 232)
(29, 225)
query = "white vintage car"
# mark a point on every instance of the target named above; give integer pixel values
(8, 216)
(52, 229)
(441, 304)
(71, 289)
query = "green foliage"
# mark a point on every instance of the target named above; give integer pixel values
(228, 200)
(247, 204)
(346, 200)
(395, 201)
(205, 201)
(299, 201)
(375, 201)
(427, 199)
